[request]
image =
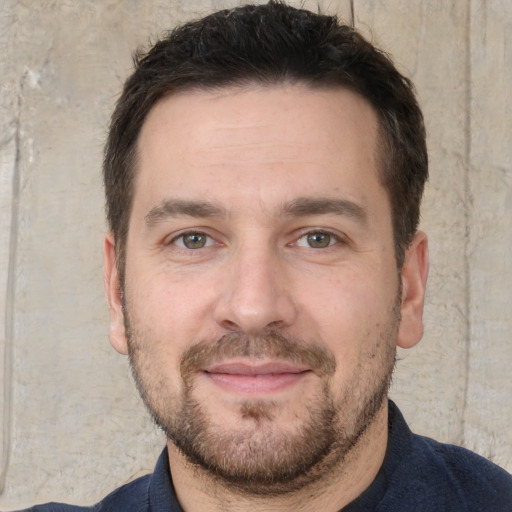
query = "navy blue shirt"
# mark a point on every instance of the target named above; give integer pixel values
(418, 475)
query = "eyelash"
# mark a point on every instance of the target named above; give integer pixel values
(334, 239)
(209, 240)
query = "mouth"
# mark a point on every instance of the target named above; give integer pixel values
(243, 377)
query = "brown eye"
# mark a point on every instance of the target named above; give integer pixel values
(193, 241)
(319, 240)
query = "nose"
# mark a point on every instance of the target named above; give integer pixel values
(255, 293)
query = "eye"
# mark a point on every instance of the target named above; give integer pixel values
(317, 240)
(193, 241)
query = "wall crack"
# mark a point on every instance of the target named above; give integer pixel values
(467, 219)
(9, 313)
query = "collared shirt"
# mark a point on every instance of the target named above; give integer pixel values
(418, 474)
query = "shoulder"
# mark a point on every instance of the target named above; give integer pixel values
(462, 468)
(448, 477)
(131, 497)
(140, 495)
(429, 476)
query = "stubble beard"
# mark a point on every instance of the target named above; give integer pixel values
(261, 457)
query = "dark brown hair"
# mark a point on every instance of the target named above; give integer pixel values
(271, 44)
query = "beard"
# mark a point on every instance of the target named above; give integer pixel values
(261, 455)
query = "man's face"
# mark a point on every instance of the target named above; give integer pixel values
(262, 301)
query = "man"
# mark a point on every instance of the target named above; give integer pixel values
(264, 171)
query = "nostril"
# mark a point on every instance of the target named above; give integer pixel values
(250, 299)
(275, 324)
(230, 325)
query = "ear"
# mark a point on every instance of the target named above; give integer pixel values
(414, 279)
(117, 333)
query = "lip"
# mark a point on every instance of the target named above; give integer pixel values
(254, 379)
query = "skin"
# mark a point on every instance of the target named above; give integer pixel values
(233, 165)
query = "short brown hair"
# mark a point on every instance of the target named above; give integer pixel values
(271, 44)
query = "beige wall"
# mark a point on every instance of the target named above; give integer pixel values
(72, 425)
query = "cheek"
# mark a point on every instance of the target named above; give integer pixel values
(349, 315)
(165, 301)
(167, 314)
(154, 312)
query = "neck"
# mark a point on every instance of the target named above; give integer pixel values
(197, 491)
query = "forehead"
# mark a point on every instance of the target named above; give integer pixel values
(237, 107)
(258, 139)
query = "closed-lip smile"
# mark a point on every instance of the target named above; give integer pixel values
(255, 377)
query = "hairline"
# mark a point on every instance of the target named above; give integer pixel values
(383, 144)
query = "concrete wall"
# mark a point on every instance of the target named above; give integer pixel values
(72, 426)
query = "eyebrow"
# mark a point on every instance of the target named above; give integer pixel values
(300, 207)
(304, 206)
(170, 208)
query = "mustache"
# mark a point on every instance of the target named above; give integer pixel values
(271, 345)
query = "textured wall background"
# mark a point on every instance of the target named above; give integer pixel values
(72, 425)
